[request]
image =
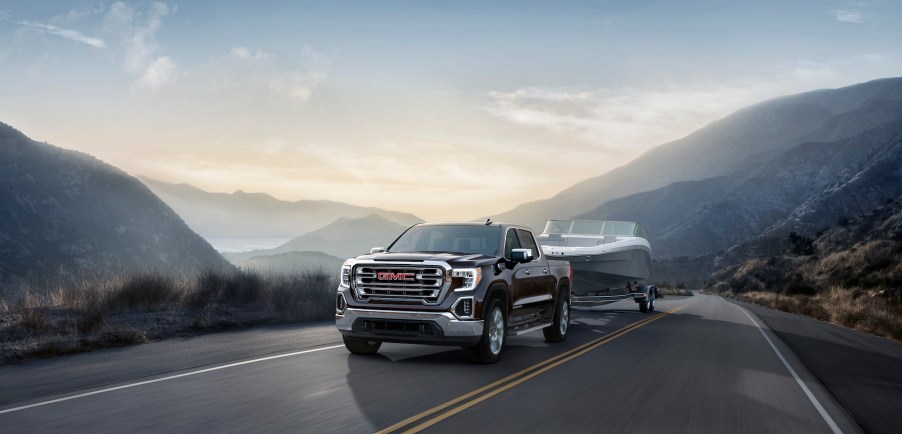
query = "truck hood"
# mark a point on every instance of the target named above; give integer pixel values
(465, 259)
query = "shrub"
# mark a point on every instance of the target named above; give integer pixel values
(147, 291)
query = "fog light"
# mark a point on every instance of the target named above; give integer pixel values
(340, 303)
(464, 308)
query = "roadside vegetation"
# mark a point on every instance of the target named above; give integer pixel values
(64, 318)
(667, 288)
(850, 274)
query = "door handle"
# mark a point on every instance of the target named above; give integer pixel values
(545, 270)
(527, 271)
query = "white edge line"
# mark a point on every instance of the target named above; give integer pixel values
(157, 380)
(811, 397)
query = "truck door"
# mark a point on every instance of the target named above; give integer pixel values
(541, 283)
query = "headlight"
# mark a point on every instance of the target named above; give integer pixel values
(465, 279)
(346, 276)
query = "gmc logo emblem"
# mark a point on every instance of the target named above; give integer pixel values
(386, 275)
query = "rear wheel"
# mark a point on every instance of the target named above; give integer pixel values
(490, 347)
(361, 346)
(557, 331)
(643, 306)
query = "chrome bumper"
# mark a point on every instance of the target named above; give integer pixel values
(450, 325)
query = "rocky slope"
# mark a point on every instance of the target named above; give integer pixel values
(66, 213)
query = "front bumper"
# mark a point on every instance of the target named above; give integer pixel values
(436, 328)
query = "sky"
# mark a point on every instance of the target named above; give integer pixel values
(446, 109)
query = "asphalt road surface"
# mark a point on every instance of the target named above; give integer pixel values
(698, 364)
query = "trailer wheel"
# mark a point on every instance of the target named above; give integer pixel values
(560, 325)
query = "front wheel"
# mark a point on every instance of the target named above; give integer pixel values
(557, 331)
(361, 346)
(490, 347)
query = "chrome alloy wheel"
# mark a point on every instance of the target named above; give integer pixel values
(496, 331)
(565, 317)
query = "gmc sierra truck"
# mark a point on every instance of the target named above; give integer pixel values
(467, 284)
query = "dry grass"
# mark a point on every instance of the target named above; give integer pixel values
(670, 290)
(857, 309)
(62, 318)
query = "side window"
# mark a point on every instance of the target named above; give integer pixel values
(528, 242)
(511, 242)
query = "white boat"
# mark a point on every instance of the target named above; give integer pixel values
(609, 258)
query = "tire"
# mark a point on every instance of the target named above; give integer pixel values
(560, 325)
(490, 347)
(651, 302)
(643, 306)
(361, 346)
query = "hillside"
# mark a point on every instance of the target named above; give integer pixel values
(850, 274)
(803, 187)
(864, 252)
(343, 238)
(258, 214)
(293, 262)
(737, 144)
(65, 212)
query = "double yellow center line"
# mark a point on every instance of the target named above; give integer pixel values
(437, 414)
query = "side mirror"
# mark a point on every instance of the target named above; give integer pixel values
(521, 255)
(377, 250)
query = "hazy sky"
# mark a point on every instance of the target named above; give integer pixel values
(450, 110)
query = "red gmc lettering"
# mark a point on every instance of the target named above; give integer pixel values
(385, 275)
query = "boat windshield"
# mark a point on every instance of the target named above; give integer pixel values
(594, 227)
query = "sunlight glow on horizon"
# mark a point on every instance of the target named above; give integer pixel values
(444, 110)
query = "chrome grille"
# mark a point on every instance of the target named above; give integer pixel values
(422, 284)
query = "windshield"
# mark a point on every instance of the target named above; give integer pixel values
(451, 238)
(594, 227)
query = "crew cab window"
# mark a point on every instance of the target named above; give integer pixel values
(511, 242)
(449, 238)
(527, 242)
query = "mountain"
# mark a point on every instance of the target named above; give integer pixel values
(293, 262)
(863, 252)
(65, 212)
(344, 238)
(241, 214)
(736, 144)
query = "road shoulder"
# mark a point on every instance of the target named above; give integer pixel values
(860, 372)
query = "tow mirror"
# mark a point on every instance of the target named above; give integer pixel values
(377, 250)
(521, 255)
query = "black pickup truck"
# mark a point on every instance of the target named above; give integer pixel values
(465, 284)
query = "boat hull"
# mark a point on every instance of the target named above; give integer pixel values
(607, 273)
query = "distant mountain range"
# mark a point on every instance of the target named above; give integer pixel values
(343, 238)
(726, 158)
(796, 163)
(293, 262)
(241, 214)
(65, 212)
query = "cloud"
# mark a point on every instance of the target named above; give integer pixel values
(853, 12)
(249, 74)
(621, 120)
(136, 31)
(158, 73)
(72, 35)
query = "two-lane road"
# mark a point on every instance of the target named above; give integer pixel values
(699, 364)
